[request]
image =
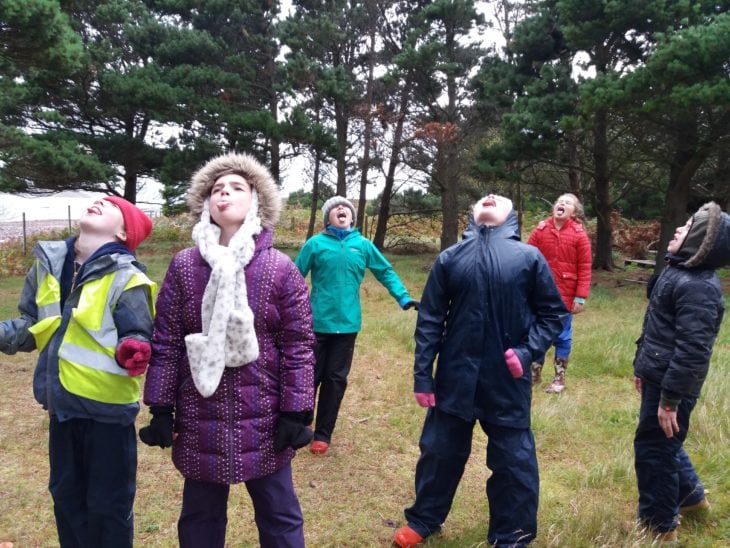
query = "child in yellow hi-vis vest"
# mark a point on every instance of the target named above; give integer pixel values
(87, 307)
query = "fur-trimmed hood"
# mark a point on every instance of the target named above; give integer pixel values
(248, 167)
(714, 251)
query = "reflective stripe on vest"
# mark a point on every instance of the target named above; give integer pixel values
(48, 302)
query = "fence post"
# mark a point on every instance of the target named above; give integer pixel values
(25, 237)
(69, 218)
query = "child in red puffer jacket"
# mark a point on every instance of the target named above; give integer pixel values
(563, 241)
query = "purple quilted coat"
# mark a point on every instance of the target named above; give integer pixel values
(229, 437)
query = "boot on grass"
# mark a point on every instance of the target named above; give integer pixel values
(696, 508)
(558, 384)
(536, 370)
(405, 537)
(666, 538)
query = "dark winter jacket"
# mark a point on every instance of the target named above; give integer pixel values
(568, 252)
(686, 307)
(485, 294)
(228, 437)
(132, 315)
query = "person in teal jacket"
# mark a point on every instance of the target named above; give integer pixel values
(337, 259)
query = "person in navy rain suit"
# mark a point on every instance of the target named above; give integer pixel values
(489, 308)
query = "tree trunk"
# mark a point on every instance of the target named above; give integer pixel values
(130, 185)
(314, 208)
(341, 123)
(722, 173)
(274, 147)
(515, 194)
(274, 152)
(395, 150)
(674, 212)
(367, 136)
(450, 214)
(603, 256)
(574, 168)
(685, 162)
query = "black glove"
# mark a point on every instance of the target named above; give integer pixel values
(293, 430)
(411, 304)
(159, 432)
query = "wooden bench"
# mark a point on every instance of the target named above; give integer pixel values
(643, 263)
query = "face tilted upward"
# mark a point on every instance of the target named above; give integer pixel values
(492, 210)
(340, 216)
(104, 218)
(230, 201)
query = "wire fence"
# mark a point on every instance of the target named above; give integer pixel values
(25, 228)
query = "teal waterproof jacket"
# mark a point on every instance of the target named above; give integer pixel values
(338, 268)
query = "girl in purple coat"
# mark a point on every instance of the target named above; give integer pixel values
(230, 383)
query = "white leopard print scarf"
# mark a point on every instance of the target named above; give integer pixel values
(228, 338)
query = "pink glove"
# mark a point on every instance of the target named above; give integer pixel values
(513, 363)
(426, 399)
(134, 355)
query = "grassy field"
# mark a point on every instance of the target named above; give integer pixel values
(355, 495)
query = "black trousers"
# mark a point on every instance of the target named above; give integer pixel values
(93, 470)
(334, 358)
(665, 475)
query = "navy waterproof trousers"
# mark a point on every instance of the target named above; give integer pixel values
(512, 488)
(92, 482)
(665, 475)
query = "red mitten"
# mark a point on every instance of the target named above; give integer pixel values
(134, 355)
(426, 399)
(513, 363)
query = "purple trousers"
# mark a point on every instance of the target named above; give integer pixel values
(278, 516)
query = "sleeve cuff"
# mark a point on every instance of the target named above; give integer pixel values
(579, 300)
(669, 403)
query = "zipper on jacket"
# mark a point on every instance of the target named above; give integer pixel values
(343, 264)
(77, 269)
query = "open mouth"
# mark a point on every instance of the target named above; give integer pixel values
(94, 210)
(489, 202)
(560, 210)
(342, 216)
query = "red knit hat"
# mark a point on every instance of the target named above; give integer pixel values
(136, 224)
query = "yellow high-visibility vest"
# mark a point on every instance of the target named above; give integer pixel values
(86, 363)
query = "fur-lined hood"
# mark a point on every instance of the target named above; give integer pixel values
(247, 167)
(714, 251)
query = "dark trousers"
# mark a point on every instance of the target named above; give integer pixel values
(665, 475)
(277, 513)
(512, 489)
(334, 358)
(92, 482)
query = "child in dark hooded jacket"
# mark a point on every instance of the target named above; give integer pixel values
(682, 320)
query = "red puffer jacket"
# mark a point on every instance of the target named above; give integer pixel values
(568, 252)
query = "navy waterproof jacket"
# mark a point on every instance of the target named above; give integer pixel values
(686, 308)
(485, 294)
